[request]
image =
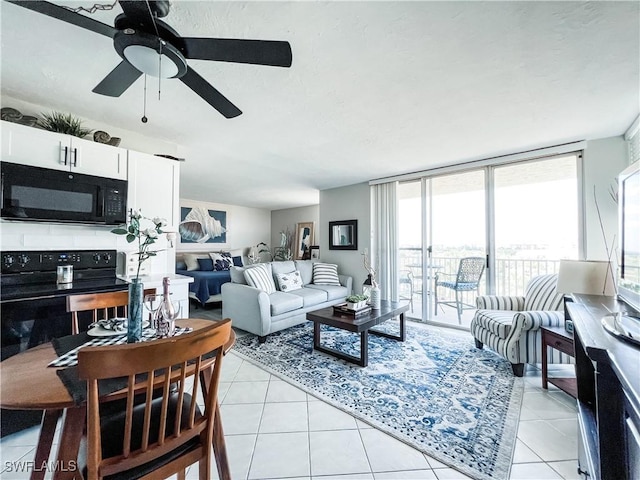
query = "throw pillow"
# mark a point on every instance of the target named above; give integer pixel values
(289, 281)
(236, 255)
(205, 264)
(260, 278)
(192, 261)
(220, 261)
(325, 274)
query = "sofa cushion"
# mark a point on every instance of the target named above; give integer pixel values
(288, 282)
(237, 273)
(325, 274)
(282, 267)
(282, 302)
(260, 278)
(334, 292)
(498, 322)
(305, 267)
(311, 296)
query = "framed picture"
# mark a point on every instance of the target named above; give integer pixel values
(343, 235)
(200, 225)
(304, 239)
(315, 252)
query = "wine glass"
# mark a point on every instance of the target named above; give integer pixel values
(169, 311)
(152, 303)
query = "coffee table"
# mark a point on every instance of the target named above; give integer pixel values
(361, 325)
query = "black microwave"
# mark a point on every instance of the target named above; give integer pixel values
(44, 195)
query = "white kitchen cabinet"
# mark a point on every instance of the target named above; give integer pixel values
(153, 184)
(41, 148)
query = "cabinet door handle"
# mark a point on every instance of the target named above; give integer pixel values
(66, 153)
(75, 157)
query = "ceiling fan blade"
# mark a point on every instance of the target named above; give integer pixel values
(256, 52)
(61, 13)
(118, 80)
(209, 94)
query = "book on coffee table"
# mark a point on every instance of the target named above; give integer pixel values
(342, 309)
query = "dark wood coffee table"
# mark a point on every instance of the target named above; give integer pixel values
(361, 325)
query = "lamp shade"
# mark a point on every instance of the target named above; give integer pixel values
(589, 277)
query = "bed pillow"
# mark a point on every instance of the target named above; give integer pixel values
(260, 278)
(221, 261)
(325, 274)
(192, 261)
(236, 256)
(288, 282)
(205, 264)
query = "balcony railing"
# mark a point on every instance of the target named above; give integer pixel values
(511, 278)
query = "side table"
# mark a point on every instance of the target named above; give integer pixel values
(560, 339)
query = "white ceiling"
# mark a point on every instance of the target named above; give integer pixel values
(375, 89)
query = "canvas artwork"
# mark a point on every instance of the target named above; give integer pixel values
(200, 225)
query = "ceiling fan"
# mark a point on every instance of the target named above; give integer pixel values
(148, 45)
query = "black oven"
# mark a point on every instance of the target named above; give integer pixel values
(33, 305)
(42, 194)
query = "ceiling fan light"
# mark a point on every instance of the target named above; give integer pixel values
(148, 61)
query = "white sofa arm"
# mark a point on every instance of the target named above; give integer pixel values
(247, 307)
(346, 281)
(498, 302)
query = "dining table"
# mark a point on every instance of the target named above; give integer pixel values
(27, 382)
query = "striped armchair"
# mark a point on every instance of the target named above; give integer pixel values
(511, 325)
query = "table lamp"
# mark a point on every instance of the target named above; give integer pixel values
(587, 277)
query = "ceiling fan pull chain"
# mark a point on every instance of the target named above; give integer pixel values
(144, 102)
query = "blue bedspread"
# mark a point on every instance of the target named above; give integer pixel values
(206, 283)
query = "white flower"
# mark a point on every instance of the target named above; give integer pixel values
(160, 222)
(137, 214)
(150, 232)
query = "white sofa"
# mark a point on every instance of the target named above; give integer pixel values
(262, 313)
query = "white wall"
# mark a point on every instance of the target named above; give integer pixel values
(346, 203)
(604, 159)
(288, 217)
(246, 227)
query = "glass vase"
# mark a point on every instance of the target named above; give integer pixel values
(134, 322)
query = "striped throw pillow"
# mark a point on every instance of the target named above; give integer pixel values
(325, 274)
(260, 278)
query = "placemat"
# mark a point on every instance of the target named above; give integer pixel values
(69, 357)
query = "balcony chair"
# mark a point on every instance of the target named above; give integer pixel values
(101, 305)
(510, 325)
(406, 287)
(470, 270)
(165, 434)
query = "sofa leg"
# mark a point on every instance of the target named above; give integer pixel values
(479, 344)
(518, 369)
(262, 339)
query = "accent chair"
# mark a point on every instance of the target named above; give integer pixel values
(510, 325)
(467, 279)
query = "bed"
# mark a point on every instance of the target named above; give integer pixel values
(207, 284)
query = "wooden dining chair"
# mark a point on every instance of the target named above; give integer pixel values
(102, 305)
(160, 436)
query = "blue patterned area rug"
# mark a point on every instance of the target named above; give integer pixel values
(435, 391)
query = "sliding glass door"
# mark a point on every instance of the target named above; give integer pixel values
(521, 218)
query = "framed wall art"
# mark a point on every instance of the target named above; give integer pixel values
(304, 240)
(343, 235)
(200, 225)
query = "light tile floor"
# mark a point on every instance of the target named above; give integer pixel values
(274, 431)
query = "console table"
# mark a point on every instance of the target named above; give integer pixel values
(560, 339)
(608, 378)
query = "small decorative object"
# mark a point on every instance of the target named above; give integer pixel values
(374, 292)
(145, 238)
(315, 252)
(169, 312)
(63, 123)
(103, 137)
(12, 115)
(357, 302)
(256, 253)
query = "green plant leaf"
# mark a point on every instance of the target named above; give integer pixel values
(119, 231)
(131, 238)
